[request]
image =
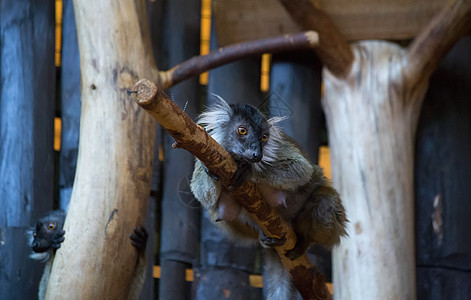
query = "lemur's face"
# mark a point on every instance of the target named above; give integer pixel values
(247, 133)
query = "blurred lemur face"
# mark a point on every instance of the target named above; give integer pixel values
(43, 235)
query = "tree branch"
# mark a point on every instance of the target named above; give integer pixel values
(333, 49)
(431, 45)
(194, 139)
(200, 64)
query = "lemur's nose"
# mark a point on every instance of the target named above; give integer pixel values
(256, 157)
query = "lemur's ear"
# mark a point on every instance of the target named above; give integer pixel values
(216, 114)
(274, 120)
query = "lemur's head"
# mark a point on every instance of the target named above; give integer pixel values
(242, 130)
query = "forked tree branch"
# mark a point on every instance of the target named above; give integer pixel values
(194, 139)
(333, 50)
(200, 64)
(426, 51)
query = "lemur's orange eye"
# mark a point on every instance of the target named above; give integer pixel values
(264, 138)
(51, 226)
(242, 130)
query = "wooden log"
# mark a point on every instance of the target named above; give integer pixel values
(27, 107)
(371, 130)
(179, 251)
(27, 111)
(114, 168)
(148, 288)
(225, 267)
(442, 172)
(154, 214)
(295, 84)
(295, 91)
(244, 20)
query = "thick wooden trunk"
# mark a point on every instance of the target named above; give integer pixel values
(371, 117)
(114, 168)
(27, 94)
(180, 212)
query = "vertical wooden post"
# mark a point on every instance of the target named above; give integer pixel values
(295, 91)
(114, 167)
(27, 94)
(442, 174)
(296, 79)
(371, 117)
(70, 104)
(180, 212)
(225, 266)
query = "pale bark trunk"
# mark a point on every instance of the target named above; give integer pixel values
(372, 116)
(114, 168)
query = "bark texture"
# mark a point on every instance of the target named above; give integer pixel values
(371, 116)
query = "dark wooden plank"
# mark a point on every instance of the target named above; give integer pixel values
(180, 41)
(438, 283)
(27, 89)
(442, 174)
(225, 267)
(295, 91)
(148, 288)
(70, 104)
(153, 220)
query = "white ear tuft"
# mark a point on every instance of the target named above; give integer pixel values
(274, 120)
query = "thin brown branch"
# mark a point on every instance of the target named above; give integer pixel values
(431, 45)
(194, 139)
(333, 49)
(200, 64)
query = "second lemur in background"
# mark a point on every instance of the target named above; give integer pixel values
(48, 234)
(297, 189)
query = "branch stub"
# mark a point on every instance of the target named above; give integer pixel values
(146, 91)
